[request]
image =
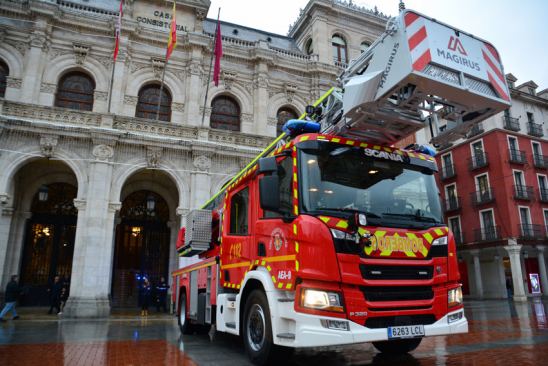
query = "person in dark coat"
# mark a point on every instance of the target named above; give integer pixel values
(161, 294)
(55, 294)
(63, 297)
(12, 293)
(145, 296)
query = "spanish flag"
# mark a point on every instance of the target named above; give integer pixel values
(172, 40)
(118, 30)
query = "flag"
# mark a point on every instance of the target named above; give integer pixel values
(218, 54)
(118, 30)
(172, 40)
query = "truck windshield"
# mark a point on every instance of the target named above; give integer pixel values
(338, 179)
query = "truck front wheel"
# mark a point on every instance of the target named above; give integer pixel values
(182, 319)
(257, 329)
(399, 346)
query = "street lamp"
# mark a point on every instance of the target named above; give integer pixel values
(151, 203)
(43, 193)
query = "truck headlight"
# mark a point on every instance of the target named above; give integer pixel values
(440, 241)
(454, 297)
(321, 300)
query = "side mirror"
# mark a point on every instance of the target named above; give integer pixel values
(269, 196)
(268, 165)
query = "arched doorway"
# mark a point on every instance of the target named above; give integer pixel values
(142, 246)
(49, 241)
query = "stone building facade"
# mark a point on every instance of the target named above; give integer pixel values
(93, 186)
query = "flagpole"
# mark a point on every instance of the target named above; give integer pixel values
(111, 85)
(161, 89)
(210, 67)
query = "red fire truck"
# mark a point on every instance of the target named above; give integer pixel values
(332, 235)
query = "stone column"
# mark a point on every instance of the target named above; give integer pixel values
(542, 270)
(120, 70)
(195, 101)
(30, 86)
(502, 276)
(260, 101)
(92, 263)
(5, 224)
(477, 273)
(321, 40)
(200, 181)
(513, 250)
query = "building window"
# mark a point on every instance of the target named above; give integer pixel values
(239, 212)
(364, 46)
(532, 91)
(147, 106)
(75, 91)
(527, 229)
(339, 48)
(454, 225)
(489, 231)
(543, 188)
(225, 114)
(284, 114)
(530, 117)
(309, 47)
(4, 72)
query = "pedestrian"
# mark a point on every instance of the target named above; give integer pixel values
(12, 293)
(63, 297)
(161, 294)
(509, 289)
(145, 296)
(55, 294)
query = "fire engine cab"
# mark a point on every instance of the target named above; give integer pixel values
(332, 235)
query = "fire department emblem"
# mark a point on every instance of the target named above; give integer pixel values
(277, 239)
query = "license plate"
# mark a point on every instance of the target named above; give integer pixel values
(406, 331)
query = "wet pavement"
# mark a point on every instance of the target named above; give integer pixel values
(501, 332)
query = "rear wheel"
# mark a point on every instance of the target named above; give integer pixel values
(182, 319)
(257, 329)
(399, 346)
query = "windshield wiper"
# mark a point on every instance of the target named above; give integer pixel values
(351, 210)
(414, 216)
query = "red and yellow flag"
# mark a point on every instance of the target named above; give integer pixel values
(218, 54)
(172, 40)
(118, 30)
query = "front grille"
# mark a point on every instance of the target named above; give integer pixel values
(375, 272)
(390, 321)
(397, 293)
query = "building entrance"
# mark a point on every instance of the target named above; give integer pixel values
(49, 242)
(142, 247)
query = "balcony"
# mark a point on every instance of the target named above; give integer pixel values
(452, 204)
(511, 123)
(488, 233)
(524, 193)
(448, 171)
(543, 195)
(479, 160)
(517, 156)
(534, 129)
(540, 161)
(475, 130)
(530, 231)
(482, 197)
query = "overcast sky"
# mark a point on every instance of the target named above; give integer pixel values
(518, 29)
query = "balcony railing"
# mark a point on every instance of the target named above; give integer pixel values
(448, 171)
(534, 129)
(475, 130)
(530, 231)
(511, 123)
(488, 233)
(479, 160)
(482, 197)
(540, 161)
(543, 195)
(517, 156)
(452, 204)
(523, 192)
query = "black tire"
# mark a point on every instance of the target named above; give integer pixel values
(257, 329)
(399, 346)
(184, 323)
